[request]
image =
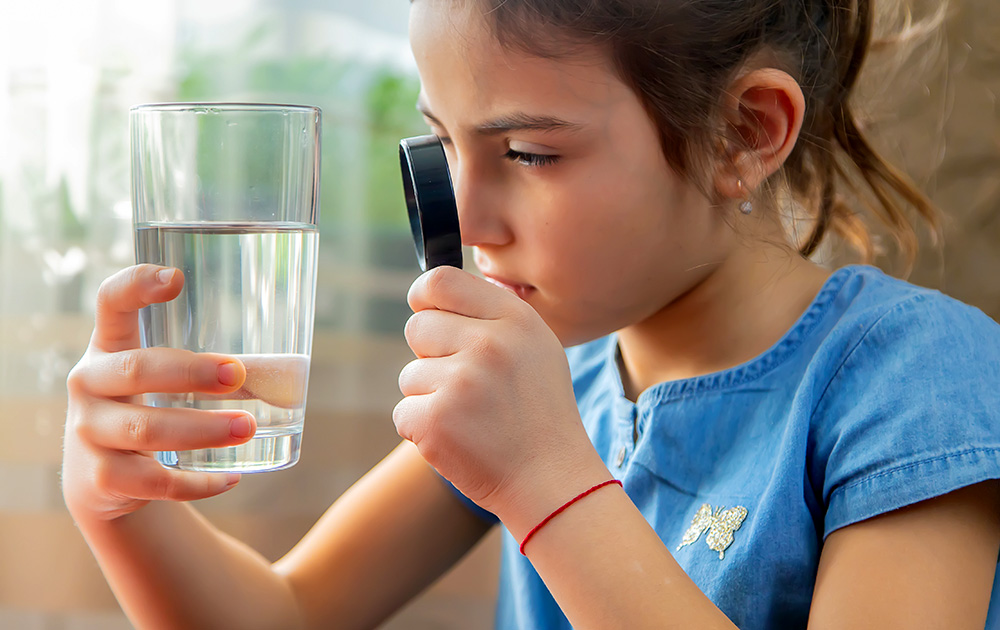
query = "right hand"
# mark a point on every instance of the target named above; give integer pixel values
(108, 465)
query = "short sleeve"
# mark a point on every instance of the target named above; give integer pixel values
(912, 412)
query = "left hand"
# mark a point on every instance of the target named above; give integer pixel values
(489, 400)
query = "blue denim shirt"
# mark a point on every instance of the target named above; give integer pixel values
(883, 394)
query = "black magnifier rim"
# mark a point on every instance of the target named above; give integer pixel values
(430, 202)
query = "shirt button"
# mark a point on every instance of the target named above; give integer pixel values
(621, 457)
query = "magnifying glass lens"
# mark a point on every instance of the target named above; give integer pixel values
(430, 201)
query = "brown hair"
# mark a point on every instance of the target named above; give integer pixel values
(680, 55)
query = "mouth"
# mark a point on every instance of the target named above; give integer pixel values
(520, 290)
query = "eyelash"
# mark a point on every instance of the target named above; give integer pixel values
(529, 160)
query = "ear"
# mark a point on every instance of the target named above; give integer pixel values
(764, 110)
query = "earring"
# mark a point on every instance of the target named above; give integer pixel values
(746, 206)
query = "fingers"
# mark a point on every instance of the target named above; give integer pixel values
(127, 427)
(120, 298)
(451, 289)
(423, 376)
(411, 417)
(433, 333)
(143, 478)
(160, 370)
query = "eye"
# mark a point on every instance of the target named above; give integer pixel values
(530, 159)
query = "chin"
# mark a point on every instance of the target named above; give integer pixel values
(570, 335)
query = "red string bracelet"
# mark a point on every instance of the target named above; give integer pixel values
(559, 510)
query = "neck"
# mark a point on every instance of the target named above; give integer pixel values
(735, 313)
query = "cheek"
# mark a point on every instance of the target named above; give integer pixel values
(608, 249)
(571, 235)
(584, 261)
(618, 216)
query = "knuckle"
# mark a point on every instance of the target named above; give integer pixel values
(481, 345)
(113, 287)
(105, 475)
(400, 418)
(163, 485)
(406, 377)
(192, 372)
(75, 431)
(470, 387)
(413, 424)
(139, 429)
(75, 380)
(133, 275)
(412, 327)
(438, 279)
(132, 367)
(494, 353)
(113, 284)
(191, 367)
(205, 486)
(521, 317)
(210, 430)
(77, 420)
(521, 322)
(461, 380)
(107, 288)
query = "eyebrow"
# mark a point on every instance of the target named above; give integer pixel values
(516, 121)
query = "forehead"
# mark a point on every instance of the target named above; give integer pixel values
(463, 66)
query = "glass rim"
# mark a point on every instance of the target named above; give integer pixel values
(228, 106)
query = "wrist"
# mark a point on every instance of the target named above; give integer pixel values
(545, 521)
(536, 498)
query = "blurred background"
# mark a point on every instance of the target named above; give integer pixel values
(70, 70)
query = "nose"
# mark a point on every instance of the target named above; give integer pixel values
(480, 200)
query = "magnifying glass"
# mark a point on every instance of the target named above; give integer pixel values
(430, 201)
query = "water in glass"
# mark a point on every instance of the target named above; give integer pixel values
(248, 291)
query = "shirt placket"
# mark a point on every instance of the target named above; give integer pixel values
(626, 432)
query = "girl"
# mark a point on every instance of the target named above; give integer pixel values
(794, 447)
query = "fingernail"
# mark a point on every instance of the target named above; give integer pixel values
(240, 427)
(227, 374)
(232, 479)
(164, 276)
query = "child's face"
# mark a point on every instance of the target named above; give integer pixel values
(562, 188)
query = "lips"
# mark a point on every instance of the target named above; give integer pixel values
(520, 290)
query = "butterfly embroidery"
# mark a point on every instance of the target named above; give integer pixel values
(721, 526)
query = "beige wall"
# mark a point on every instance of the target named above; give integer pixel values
(967, 183)
(937, 116)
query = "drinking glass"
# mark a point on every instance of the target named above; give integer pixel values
(228, 193)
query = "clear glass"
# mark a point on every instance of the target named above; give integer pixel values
(228, 193)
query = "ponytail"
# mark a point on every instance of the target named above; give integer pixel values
(877, 184)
